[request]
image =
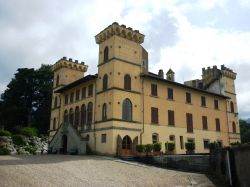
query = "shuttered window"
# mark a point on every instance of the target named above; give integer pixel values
(127, 82)
(154, 115)
(170, 93)
(216, 104)
(189, 119)
(188, 97)
(171, 117)
(203, 101)
(154, 89)
(204, 122)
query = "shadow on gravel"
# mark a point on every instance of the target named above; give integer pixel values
(44, 159)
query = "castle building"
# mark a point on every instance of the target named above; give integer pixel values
(124, 104)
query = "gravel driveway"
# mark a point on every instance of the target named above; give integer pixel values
(66, 170)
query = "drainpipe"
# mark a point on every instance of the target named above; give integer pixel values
(94, 119)
(142, 111)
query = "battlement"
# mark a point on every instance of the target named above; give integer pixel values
(119, 30)
(228, 72)
(69, 63)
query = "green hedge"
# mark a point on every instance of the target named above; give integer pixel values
(28, 131)
(190, 146)
(4, 151)
(140, 148)
(157, 147)
(5, 133)
(18, 139)
(148, 148)
(31, 149)
(169, 146)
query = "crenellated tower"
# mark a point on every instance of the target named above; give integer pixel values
(65, 71)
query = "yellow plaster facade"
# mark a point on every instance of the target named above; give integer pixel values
(124, 93)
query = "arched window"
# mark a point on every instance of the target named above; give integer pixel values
(57, 80)
(104, 111)
(83, 116)
(234, 127)
(127, 82)
(155, 138)
(127, 110)
(71, 116)
(77, 116)
(89, 114)
(232, 106)
(54, 124)
(126, 142)
(55, 102)
(65, 117)
(106, 54)
(105, 82)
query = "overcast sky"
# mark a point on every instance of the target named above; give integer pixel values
(184, 35)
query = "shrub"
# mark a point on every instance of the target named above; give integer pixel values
(28, 131)
(31, 149)
(4, 151)
(18, 139)
(148, 148)
(157, 147)
(190, 146)
(213, 145)
(235, 143)
(140, 148)
(5, 133)
(169, 146)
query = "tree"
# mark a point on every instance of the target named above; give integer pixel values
(244, 131)
(26, 101)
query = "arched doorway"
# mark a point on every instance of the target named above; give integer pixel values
(64, 144)
(126, 145)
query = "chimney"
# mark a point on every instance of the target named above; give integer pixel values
(161, 74)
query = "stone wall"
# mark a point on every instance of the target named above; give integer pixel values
(198, 163)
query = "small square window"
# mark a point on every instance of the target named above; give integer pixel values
(170, 93)
(216, 104)
(188, 97)
(154, 89)
(104, 138)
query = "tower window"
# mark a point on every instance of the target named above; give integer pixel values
(105, 82)
(127, 82)
(106, 54)
(232, 106)
(234, 127)
(77, 95)
(127, 110)
(104, 111)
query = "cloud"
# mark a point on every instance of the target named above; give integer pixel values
(183, 35)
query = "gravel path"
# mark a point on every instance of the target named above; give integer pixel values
(66, 170)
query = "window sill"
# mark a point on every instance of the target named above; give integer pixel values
(154, 96)
(190, 132)
(170, 99)
(155, 124)
(203, 106)
(189, 103)
(171, 125)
